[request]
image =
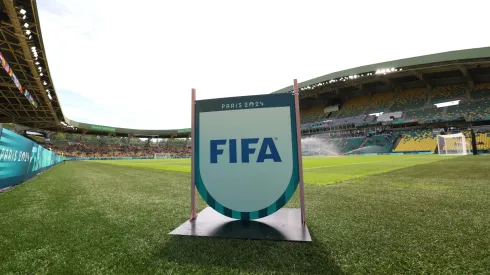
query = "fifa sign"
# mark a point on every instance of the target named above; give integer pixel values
(246, 154)
(246, 151)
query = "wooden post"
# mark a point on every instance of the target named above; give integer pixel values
(193, 183)
(300, 153)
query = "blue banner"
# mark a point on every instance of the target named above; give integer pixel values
(22, 159)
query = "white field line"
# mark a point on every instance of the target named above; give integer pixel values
(347, 164)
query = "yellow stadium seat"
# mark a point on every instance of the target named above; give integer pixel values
(416, 141)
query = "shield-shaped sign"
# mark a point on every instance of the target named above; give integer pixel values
(246, 155)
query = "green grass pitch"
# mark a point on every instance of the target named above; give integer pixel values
(367, 215)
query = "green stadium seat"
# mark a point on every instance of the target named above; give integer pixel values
(446, 93)
(410, 99)
(380, 102)
(481, 91)
(345, 145)
(354, 107)
(431, 114)
(313, 114)
(378, 144)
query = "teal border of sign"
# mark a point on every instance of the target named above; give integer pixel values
(269, 101)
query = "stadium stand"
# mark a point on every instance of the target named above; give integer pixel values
(80, 150)
(461, 111)
(378, 144)
(472, 111)
(416, 140)
(88, 146)
(481, 91)
(346, 145)
(380, 102)
(312, 114)
(445, 93)
(354, 107)
(410, 99)
(482, 140)
(430, 114)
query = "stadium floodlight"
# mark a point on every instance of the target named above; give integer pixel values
(452, 145)
(22, 11)
(24, 17)
(41, 74)
(30, 36)
(448, 103)
(26, 25)
(385, 71)
(28, 32)
(45, 83)
(33, 48)
(49, 96)
(37, 63)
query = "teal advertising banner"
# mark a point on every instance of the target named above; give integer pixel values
(22, 159)
(246, 154)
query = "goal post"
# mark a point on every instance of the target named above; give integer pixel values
(452, 145)
(161, 156)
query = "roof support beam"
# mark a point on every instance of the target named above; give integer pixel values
(388, 82)
(354, 84)
(423, 78)
(468, 76)
(12, 85)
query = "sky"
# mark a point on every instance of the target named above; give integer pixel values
(133, 64)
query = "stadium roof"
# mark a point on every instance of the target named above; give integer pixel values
(91, 128)
(27, 93)
(462, 60)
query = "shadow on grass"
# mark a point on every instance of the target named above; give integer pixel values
(250, 255)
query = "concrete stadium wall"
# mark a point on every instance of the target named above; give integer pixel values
(22, 159)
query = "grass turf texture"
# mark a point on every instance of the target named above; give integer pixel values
(387, 214)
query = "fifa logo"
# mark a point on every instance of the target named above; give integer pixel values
(267, 150)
